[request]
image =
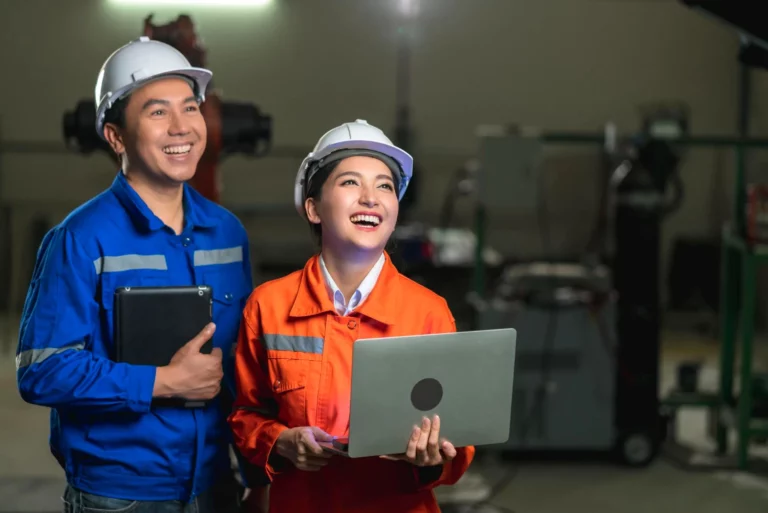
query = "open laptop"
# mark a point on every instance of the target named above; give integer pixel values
(466, 378)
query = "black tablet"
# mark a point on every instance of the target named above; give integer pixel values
(152, 323)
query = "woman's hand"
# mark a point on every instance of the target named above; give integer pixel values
(299, 445)
(426, 448)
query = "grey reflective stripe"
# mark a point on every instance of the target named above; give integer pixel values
(30, 356)
(114, 264)
(294, 343)
(218, 256)
(262, 411)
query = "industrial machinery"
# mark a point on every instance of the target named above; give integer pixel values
(233, 127)
(743, 249)
(641, 205)
(586, 373)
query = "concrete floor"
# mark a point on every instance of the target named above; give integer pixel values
(31, 481)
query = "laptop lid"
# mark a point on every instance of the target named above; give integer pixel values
(466, 378)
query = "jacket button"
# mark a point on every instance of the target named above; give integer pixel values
(352, 325)
(276, 384)
(228, 297)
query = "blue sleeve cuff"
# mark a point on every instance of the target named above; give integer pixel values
(141, 383)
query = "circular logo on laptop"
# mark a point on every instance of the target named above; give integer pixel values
(426, 394)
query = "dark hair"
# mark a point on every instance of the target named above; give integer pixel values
(315, 191)
(116, 113)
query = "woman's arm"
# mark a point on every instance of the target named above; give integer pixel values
(442, 321)
(253, 420)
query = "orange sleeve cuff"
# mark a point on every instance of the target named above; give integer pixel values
(452, 470)
(265, 445)
(255, 437)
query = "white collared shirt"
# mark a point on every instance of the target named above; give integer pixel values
(366, 286)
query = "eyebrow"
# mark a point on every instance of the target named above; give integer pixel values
(357, 174)
(155, 101)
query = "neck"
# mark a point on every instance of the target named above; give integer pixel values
(166, 202)
(348, 273)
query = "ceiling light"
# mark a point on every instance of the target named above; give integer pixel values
(193, 3)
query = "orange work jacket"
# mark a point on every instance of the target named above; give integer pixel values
(293, 368)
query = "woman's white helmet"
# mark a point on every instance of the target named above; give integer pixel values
(356, 135)
(137, 63)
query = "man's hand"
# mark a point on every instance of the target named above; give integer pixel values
(191, 374)
(425, 448)
(299, 445)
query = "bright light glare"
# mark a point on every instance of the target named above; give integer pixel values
(193, 3)
(409, 8)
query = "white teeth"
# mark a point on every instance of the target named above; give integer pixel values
(365, 219)
(177, 150)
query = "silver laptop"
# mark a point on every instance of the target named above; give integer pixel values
(465, 378)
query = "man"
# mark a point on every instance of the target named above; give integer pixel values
(119, 451)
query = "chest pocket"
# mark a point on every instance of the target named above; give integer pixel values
(230, 291)
(294, 365)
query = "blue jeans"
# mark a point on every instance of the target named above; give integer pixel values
(222, 498)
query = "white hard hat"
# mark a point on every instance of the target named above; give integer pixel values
(357, 135)
(137, 63)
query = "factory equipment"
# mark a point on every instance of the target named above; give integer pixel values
(564, 366)
(743, 249)
(641, 205)
(233, 127)
(586, 375)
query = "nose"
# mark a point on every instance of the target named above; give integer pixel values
(179, 124)
(368, 196)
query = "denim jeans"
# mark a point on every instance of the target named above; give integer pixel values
(222, 498)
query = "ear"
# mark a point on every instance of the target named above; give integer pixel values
(310, 207)
(114, 137)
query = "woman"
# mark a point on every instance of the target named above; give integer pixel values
(294, 356)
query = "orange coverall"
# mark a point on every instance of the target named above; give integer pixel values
(293, 368)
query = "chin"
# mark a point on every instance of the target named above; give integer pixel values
(368, 244)
(178, 175)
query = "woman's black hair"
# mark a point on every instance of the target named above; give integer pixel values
(315, 191)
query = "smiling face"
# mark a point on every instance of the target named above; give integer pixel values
(163, 135)
(358, 206)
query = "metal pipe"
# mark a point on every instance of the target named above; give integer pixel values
(700, 141)
(59, 148)
(743, 131)
(299, 152)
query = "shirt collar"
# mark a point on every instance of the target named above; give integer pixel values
(340, 303)
(195, 211)
(312, 298)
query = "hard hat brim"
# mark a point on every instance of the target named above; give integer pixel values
(403, 158)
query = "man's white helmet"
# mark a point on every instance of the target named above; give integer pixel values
(138, 63)
(357, 135)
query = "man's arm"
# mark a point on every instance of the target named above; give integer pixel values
(55, 366)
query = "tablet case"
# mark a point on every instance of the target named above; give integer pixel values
(153, 323)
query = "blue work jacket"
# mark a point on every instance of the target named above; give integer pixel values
(104, 431)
